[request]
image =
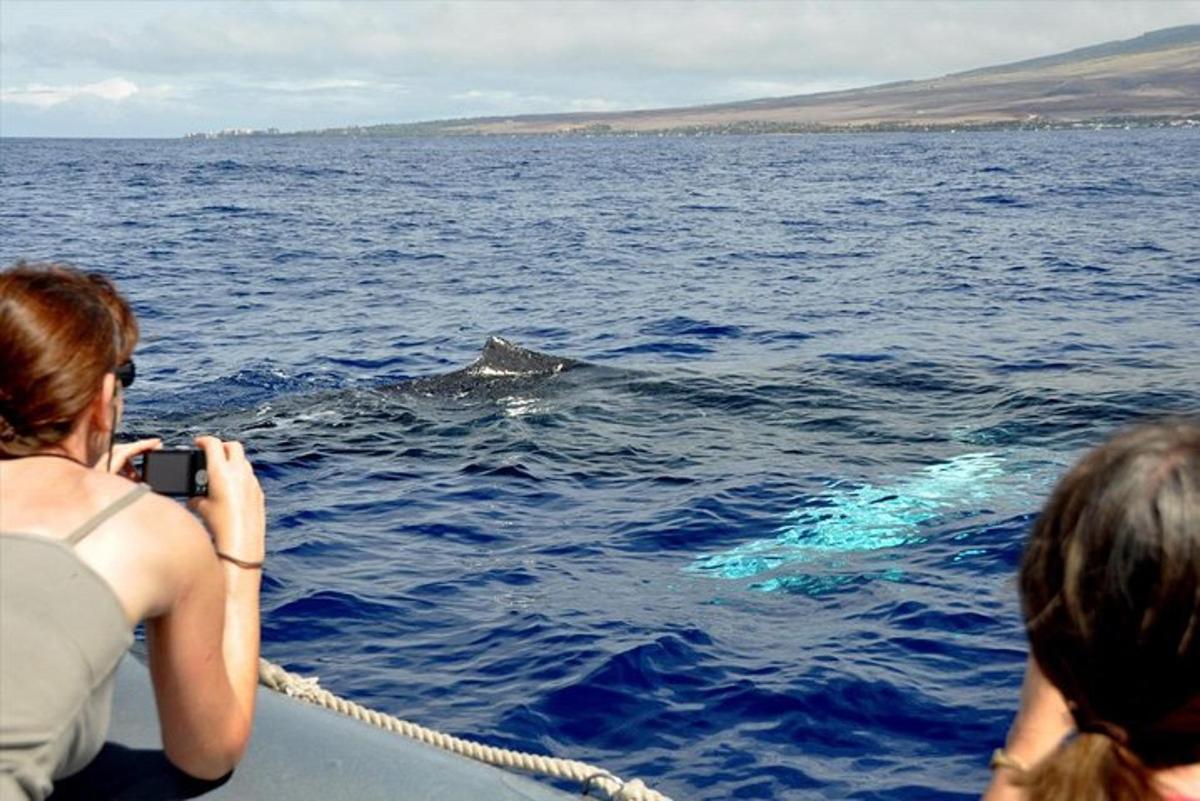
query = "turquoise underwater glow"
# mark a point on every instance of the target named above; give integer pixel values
(863, 518)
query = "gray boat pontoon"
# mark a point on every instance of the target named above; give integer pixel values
(299, 752)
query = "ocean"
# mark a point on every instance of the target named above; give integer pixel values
(764, 545)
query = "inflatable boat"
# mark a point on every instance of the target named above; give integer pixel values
(298, 752)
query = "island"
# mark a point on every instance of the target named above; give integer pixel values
(1151, 80)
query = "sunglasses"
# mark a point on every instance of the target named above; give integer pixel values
(125, 373)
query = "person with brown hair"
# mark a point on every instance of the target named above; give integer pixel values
(1110, 592)
(86, 554)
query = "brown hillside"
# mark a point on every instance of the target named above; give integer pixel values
(1152, 77)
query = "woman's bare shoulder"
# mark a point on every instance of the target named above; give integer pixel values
(150, 552)
(150, 512)
(53, 499)
(154, 519)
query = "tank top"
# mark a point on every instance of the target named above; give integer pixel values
(62, 633)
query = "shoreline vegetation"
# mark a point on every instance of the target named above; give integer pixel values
(1150, 81)
(748, 128)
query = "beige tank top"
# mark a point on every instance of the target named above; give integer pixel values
(62, 633)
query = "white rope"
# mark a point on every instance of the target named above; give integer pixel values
(589, 777)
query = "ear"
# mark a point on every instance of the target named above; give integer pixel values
(100, 410)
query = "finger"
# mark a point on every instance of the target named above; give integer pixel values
(150, 443)
(214, 454)
(119, 460)
(234, 450)
(125, 451)
(143, 445)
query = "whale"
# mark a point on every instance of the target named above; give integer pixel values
(861, 517)
(501, 367)
(503, 372)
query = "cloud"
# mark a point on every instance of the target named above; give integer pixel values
(312, 86)
(508, 101)
(794, 42)
(759, 88)
(321, 85)
(487, 95)
(506, 98)
(595, 104)
(42, 96)
(312, 64)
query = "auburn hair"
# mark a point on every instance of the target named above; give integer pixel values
(61, 331)
(1110, 590)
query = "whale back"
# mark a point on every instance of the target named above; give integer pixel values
(503, 358)
(501, 366)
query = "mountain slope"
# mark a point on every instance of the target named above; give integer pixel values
(1154, 77)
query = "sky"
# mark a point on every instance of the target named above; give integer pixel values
(171, 67)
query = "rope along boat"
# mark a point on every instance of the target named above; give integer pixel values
(309, 744)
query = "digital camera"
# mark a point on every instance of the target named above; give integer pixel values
(179, 472)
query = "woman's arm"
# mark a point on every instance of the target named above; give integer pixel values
(204, 644)
(1042, 722)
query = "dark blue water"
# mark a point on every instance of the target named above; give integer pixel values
(765, 548)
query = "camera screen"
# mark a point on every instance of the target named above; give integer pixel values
(178, 472)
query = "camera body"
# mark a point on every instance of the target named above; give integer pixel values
(181, 472)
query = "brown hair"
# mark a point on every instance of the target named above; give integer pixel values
(61, 331)
(1110, 588)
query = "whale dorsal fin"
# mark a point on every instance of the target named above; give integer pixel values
(501, 357)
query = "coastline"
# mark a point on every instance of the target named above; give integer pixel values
(748, 128)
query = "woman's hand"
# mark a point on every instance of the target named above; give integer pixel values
(123, 454)
(234, 512)
(1042, 721)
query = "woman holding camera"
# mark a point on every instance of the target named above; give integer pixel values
(86, 554)
(1110, 589)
